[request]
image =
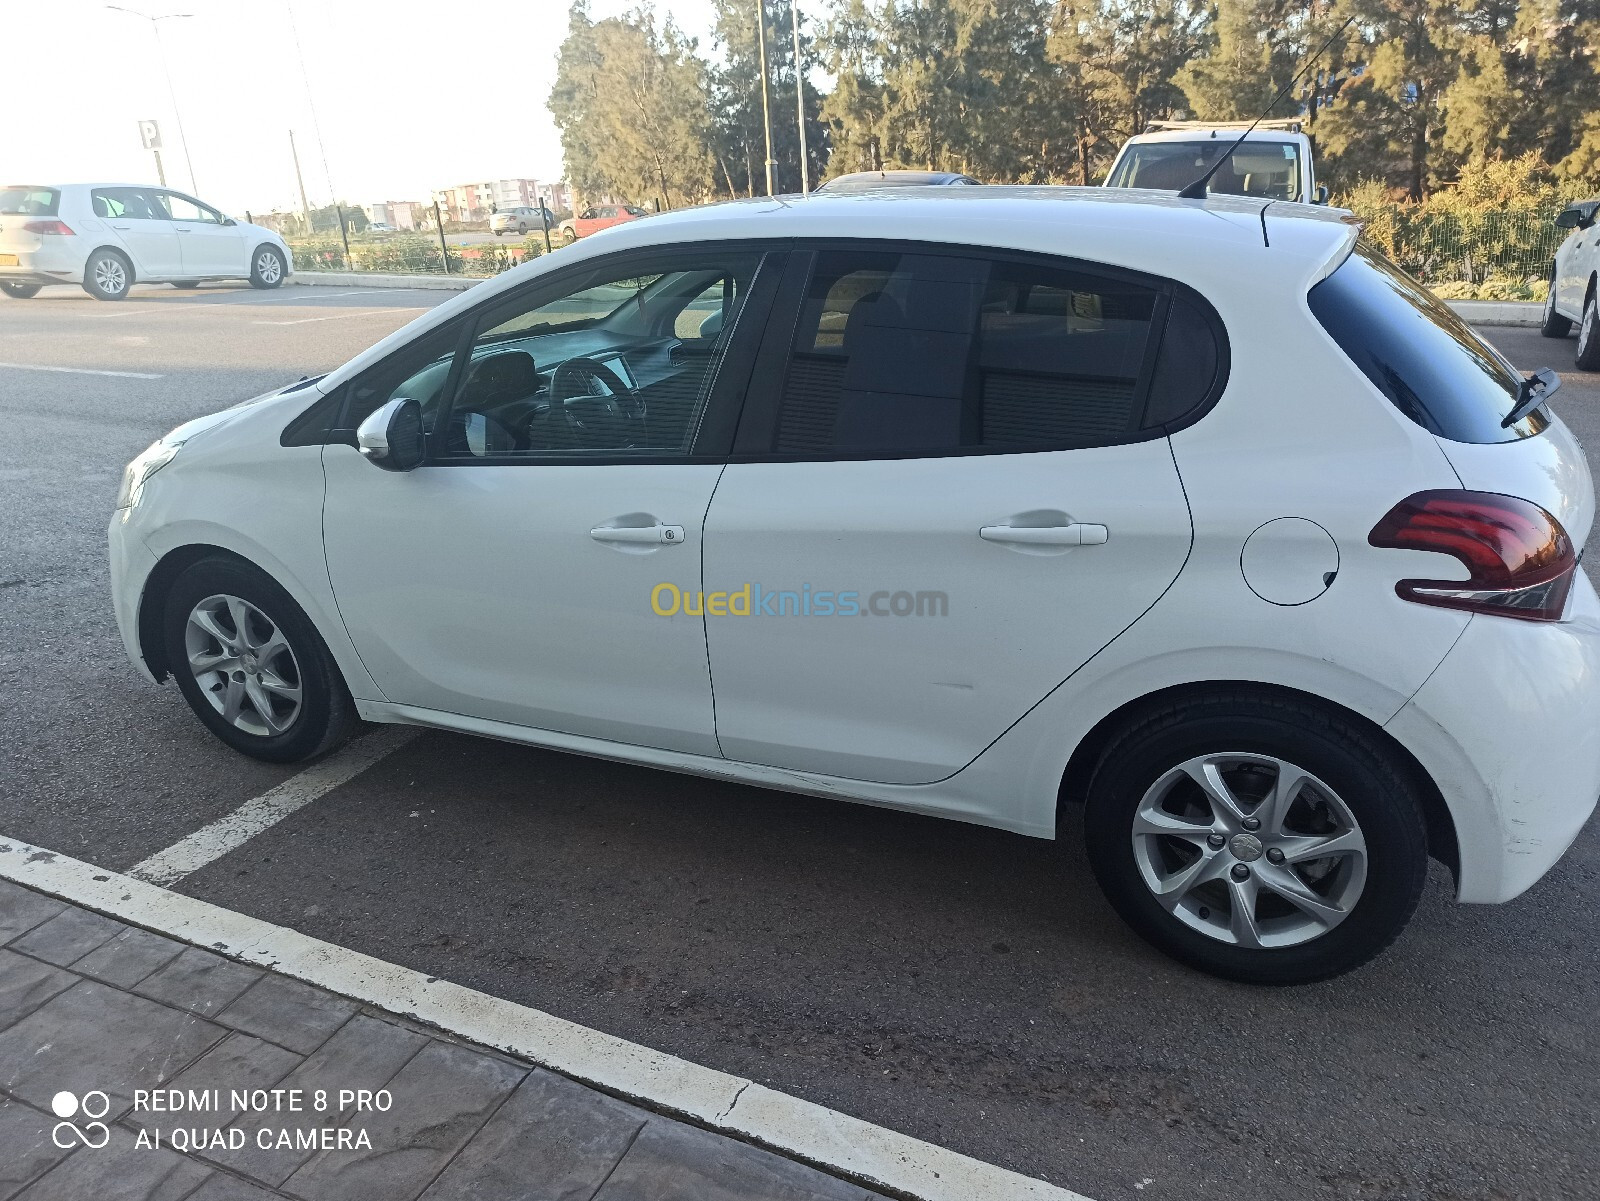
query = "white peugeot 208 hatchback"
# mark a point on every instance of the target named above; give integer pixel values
(1195, 522)
(108, 237)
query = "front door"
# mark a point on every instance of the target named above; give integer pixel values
(510, 577)
(208, 247)
(952, 505)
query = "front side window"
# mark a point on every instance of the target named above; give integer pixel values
(1419, 353)
(908, 353)
(182, 208)
(1258, 168)
(419, 372)
(620, 362)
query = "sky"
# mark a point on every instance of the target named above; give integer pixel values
(409, 99)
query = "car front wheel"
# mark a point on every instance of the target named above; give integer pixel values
(267, 269)
(251, 664)
(1553, 324)
(1588, 356)
(1258, 838)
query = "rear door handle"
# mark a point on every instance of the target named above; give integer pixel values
(1077, 534)
(657, 535)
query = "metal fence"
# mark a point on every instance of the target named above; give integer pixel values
(1469, 246)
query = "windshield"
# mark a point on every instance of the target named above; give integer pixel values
(1267, 169)
(24, 201)
(1418, 353)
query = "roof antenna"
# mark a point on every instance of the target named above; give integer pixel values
(1197, 190)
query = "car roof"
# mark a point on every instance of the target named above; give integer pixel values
(1220, 245)
(894, 177)
(1220, 134)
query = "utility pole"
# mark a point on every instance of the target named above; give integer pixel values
(305, 205)
(161, 49)
(800, 99)
(766, 114)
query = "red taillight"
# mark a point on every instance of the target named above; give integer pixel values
(47, 227)
(1519, 559)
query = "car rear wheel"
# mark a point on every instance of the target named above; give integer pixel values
(569, 236)
(1554, 325)
(1588, 356)
(1257, 838)
(267, 268)
(251, 664)
(107, 275)
(20, 291)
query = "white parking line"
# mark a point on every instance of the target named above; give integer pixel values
(881, 1159)
(80, 371)
(231, 832)
(343, 316)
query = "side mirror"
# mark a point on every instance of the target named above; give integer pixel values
(1569, 218)
(1322, 194)
(229, 221)
(392, 436)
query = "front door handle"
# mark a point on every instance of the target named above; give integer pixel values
(655, 535)
(1077, 534)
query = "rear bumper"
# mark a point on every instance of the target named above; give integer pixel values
(1506, 726)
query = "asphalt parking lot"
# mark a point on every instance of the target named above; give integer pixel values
(962, 985)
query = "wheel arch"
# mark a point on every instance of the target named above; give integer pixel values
(153, 600)
(133, 268)
(1075, 779)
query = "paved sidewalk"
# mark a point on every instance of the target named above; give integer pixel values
(137, 1068)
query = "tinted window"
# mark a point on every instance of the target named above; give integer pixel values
(1418, 353)
(1192, 365)
(418, 372)
(1270, 169)
(128, 204)
(22, 201)
(899, 353)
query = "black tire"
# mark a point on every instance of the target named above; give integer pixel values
(1554, 325)
(185, 284)
(326, 716)
(262, 273)
(20, 291)
(1349, 759)
(107, 275)
(1588, 356)
(569, 236)
(522, 229)
(499, 233)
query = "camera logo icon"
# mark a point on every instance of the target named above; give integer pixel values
(93, 1105)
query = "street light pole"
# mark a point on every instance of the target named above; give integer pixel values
(766, 114)
(161, 49)
(800, 99)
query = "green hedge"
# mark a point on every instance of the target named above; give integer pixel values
(411, 255)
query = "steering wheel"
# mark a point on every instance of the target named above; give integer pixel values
(581, 414)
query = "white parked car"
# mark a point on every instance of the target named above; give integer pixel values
(520, 220)
(1025, 507)
(1574, 283)
(1275, 162)
(108, 237)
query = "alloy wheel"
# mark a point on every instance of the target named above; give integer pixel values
(109, 275)
(244, 665)
(268, 269)
(1250, 850)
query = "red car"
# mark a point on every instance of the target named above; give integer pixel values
(599, 217)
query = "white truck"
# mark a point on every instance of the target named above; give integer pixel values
(1275, 162)
(1574, 278)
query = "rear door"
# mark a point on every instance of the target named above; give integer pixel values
(138, 221)
(942, 502)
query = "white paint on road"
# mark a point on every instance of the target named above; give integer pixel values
(229, 833)
(343, 316)
(80, 371)
(878, 1157)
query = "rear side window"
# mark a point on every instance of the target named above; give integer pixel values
(24, 201)
(1418, 353)
(921, 353)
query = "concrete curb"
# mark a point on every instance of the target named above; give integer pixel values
(1478, 312)
(876, 1157)
(363, 279)
(1499, 312)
